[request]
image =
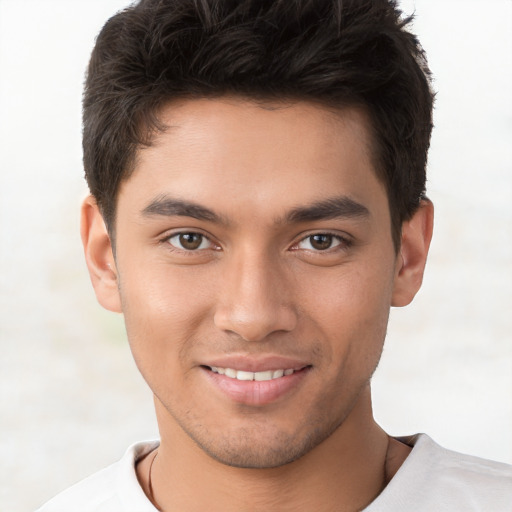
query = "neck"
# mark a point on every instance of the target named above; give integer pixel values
(345, 472)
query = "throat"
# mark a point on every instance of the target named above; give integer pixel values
(310, 483)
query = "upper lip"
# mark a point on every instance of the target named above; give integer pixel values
(257, 363)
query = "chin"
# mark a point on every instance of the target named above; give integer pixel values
(259, 449)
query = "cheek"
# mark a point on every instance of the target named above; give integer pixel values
(162, 311)
(351, 308)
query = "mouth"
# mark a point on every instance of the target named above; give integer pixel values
(256, 388)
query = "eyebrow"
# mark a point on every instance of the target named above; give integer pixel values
(332, 208)
(169, 207)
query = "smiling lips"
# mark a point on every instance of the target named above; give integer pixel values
(256, 388)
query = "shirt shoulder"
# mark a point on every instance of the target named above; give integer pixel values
(113, 489)
(434, 478)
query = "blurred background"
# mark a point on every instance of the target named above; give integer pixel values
(71, 399)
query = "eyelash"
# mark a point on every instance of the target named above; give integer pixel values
(167, 240)
(343, 242)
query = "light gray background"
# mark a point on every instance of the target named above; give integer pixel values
(71, 399)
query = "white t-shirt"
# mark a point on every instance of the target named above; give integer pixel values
(432, 479)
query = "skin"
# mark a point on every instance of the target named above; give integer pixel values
(258, 286)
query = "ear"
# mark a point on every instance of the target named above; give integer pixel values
(99, 256)
(416, 236)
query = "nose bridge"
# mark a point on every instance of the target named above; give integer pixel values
(254, 297)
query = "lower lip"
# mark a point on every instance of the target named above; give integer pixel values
(252, 392)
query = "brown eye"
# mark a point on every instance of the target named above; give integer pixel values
(319, 242)
(189, 241)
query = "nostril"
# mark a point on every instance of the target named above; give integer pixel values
(255, 323)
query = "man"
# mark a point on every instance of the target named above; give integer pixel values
(257, 177)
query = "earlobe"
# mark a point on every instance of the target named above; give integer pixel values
(416, 236)
(99, 256)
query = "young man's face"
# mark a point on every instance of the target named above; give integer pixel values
(250, 242)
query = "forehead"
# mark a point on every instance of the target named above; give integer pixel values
(231, 151)
(228, 123)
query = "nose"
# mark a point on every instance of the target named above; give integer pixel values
(253, 299)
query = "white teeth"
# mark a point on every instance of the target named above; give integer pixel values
(240, 375)
(259, 376)
(230, 373)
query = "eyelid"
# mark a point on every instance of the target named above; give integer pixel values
(165, 239)
(345, 240)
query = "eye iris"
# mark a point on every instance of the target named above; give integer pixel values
(190, 240)
(321, 242)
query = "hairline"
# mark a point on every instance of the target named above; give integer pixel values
(153, 126)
